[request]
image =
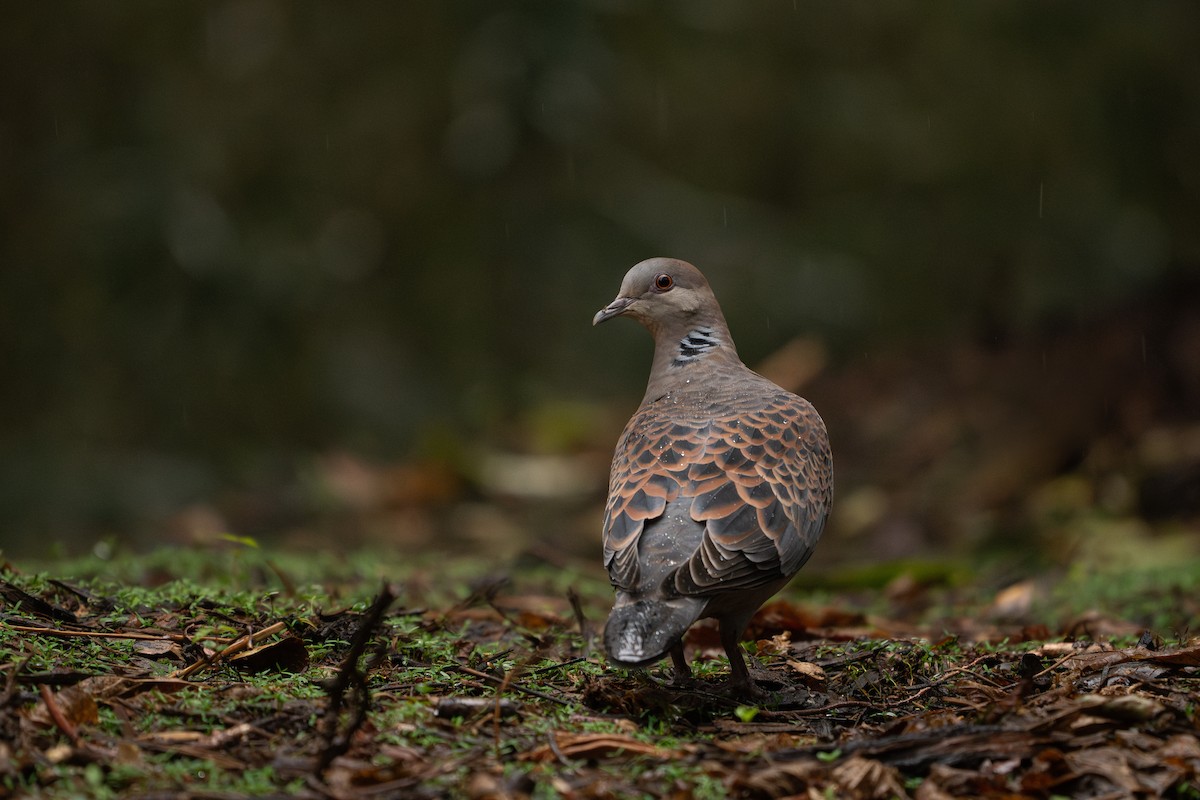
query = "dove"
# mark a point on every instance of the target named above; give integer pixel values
(720, 483)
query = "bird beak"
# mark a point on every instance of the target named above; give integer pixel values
(614, 309)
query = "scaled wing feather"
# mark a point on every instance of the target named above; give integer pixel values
(760, 480)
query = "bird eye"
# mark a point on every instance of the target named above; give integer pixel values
(663, 281)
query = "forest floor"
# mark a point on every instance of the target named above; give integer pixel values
(233, 672)
(1045, 644)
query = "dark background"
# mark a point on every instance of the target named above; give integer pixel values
(325, 271)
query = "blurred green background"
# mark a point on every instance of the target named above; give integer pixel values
(325, 271)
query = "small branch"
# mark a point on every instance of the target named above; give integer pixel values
(552, 740)
(57, 715)
(510, 685)
(1054, 666)
(558, 666)
(577, 610)
(350, 677)
(155, 637)
(239, 645)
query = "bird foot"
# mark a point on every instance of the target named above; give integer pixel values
(745, 690)
(680, 681)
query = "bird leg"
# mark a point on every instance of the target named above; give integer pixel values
(740, 681)
(682, 670)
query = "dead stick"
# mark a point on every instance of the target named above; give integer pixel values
(57, 715)
(349, 676)
(157, 637)
(241, 644)
(223, 737)
(577, 610)
(553, 741)
(559, 665)
(1055, 665)
(511, 685)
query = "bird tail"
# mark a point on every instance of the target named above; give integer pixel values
(641, 632)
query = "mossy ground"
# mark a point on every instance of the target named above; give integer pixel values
(488, 682)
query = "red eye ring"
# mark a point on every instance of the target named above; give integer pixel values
(663, 282)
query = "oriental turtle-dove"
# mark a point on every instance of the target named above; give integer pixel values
(720, 484)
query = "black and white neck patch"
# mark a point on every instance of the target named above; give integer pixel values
(694, 345)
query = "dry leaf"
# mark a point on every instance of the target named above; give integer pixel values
(1013, 602)
(286, 655)
(863, 777)
(1123, 708)
(1181, 657)
(158, 647)
(810, 673)
(77, 705)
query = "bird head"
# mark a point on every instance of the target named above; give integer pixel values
(662, 294)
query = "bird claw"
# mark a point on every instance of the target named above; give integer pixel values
(686, 682)
(745, 690)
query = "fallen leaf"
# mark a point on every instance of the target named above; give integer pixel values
(1180, 657)
(286, 655)
(1013, 602)
(777, 645)
(810, 673)
(863, 777)
(1122, 708)
(158, 647)
(76, 703)
(779, 779)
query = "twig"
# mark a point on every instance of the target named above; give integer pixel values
(155, 637)
(449, 707)
(939, 682)
(809, 712)
(1055, 665)
(349, 676)
(558, 666)
(504, 684)
(239, 645)
(57, 715)
(577, 610)
(223, 737)
(497, 656)
(552, 740)
(516, 686)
